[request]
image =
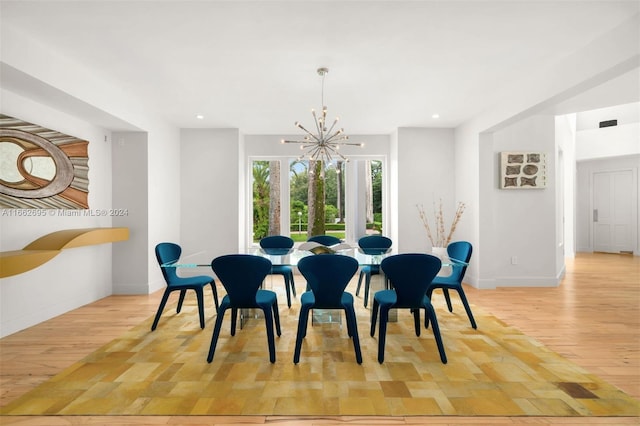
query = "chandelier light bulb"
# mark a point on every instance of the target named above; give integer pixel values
(324, 144)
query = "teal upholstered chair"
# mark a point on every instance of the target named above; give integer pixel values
(242, 275)
(325, 240)
(459, 250)
(167, 253)
(410, 275)
(327, 277)
(280, 245)
(371, 245)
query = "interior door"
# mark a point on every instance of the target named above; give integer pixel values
(613, 211)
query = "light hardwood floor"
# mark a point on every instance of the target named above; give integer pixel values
(592, 319)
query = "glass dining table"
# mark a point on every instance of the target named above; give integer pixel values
(287, 257)
(291, 257)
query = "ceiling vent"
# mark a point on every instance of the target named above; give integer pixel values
(608, 123)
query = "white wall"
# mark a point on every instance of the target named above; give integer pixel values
(627, 113)
(211, 190)
(566, 181)
(164, 185)
(426, 174)
(130, 185)
(595, 142)
(608, 142)
(76, 276)
(519, 223)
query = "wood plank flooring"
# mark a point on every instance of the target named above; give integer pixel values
(591, 318)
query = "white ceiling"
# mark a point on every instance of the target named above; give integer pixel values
(252, 65)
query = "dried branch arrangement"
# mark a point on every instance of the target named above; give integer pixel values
(441, 238)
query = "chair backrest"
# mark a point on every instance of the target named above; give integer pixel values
(410, 275)
(459, 250)
(168, 253)
(326, 240)
(327, 276)
(374, 244)
(241, 275)
(276, 244)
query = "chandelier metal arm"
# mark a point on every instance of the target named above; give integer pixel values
(325, 143)
(317, 123)
(335, 152)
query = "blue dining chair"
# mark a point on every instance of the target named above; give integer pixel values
(371, 245)
(327, 277)
(242, 275)
(167, 253)
(325, 240)
(280, 245)
(459, 250)
(410, 275)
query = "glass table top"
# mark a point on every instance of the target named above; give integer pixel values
(290, 257)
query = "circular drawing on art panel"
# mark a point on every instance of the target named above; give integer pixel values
(63, 166)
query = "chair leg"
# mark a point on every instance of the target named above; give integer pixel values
(426, 316)
(416, 320)
(445, 291)
(268, 322)
(276, 317)
(234, 320)
(382, 334)
(200, 297)
(216, 334)
(350, 313)
(359, 282)
(374, 316)
(367, 282)
(302, 332)
(467, 308)
(429, 311)
(163, 302)
(293, 284)
(426, 320)
(346, 309)
(287, 286)
(214, 290)
(180, 300)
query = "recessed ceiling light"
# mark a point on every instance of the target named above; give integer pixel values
(435, 116)
(199, 116)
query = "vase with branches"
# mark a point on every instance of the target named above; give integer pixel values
(438, 235)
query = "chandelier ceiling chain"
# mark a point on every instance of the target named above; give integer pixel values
(325, 143)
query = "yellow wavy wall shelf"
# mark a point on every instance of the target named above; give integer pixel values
(49, 246)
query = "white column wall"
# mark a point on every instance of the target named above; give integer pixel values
(519, 223)
(426, 174)
(129, 151)
(211, 190)
(565, 139)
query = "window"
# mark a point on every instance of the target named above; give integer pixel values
(280, 200)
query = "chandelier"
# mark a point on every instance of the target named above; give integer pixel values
(325, 143)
